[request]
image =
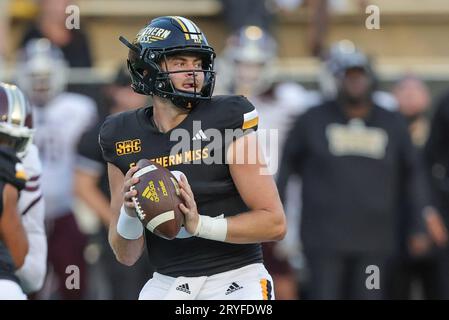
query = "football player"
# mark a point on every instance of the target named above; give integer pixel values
(60, 119)
(247, 67)
(31, 202)
(218, 254)
(13, 239)
(17, 251)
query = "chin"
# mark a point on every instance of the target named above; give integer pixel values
(356, 98)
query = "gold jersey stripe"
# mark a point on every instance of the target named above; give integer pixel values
(250, 123)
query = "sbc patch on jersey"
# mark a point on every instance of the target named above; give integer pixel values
(128, 147)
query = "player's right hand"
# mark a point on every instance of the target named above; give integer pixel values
(127, 193)
(435, 227)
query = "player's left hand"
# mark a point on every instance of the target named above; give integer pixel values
(419, 244)
(436, 228)
(188, 208)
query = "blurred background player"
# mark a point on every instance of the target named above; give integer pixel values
(414, 102)
(417, 270)
(91, 186)
(60, 119)
(31, 203)
(14, 137)
(357, 164)
(246, 67)
(437, 160)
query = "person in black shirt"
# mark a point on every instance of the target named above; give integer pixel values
(356, 162)
(423, 267)
(436, 153)
(217, 254)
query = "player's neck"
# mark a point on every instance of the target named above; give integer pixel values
(166, 116)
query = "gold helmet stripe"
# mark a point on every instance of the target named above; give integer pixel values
(183, 27)
(193, 29)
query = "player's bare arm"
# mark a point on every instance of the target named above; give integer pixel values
(266, 219)
(11, 228)
(126, 251)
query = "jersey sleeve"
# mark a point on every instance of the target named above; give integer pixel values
(241, 115)
(106, 141)
(89, 155)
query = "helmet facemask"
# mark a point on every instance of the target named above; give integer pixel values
(156, 81)
(165, 88)
(16, 137)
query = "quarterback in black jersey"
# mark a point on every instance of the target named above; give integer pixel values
(229, 206)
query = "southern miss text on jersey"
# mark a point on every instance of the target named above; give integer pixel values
(127, 137)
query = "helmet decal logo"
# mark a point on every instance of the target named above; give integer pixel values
(198, 39)
(152, 34)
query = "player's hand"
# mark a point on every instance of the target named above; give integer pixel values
(419, 244)
(128, 194)
(188, 208)
(436, 227)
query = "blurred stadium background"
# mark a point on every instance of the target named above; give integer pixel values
(411, 40)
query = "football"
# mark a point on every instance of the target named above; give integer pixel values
(157, 200)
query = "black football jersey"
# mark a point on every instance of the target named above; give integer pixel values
(11, 171)
(127, 137)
